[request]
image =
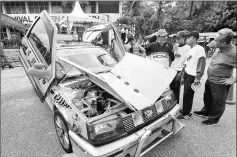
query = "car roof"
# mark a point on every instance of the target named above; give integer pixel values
(74, 44)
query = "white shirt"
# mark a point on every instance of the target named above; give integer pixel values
(192, 58)
(179, 61)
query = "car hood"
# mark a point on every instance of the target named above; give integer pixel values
(136, 81)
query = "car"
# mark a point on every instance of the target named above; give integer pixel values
(106, 102)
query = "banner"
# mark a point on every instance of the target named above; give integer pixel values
(29, 18)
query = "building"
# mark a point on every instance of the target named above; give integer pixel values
(27, 11)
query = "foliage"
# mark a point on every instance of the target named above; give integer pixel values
(203, 16)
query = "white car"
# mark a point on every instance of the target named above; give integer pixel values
(106, 102)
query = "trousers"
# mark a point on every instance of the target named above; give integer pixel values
(188, 93)
(215, 96)
(175, 86)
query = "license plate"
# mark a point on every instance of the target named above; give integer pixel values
(156, 132)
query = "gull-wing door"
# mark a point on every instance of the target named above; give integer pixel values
(37, 53)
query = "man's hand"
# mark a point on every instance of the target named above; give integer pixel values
(177, 55)
(196, 82)
(228, 81)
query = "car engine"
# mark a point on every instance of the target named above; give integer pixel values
(93, 100)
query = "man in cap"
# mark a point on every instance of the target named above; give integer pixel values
(194, 69)
(180, 53)
(161, 51)
(219, 79)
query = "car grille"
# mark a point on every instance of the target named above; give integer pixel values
(128, 123)
(148, 114)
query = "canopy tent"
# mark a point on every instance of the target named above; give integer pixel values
(77, 15)
(7, 21)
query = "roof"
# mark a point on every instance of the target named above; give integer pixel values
(8, 21)
(98, 27)
(77, 15)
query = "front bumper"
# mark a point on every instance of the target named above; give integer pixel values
(135, 145)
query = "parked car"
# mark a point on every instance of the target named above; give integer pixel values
(103, 106)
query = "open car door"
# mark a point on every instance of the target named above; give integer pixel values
(107, 37)
(37, 53)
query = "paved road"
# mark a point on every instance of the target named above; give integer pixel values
(27, 128)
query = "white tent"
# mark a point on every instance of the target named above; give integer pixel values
(77, 15)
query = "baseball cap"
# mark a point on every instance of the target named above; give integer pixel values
(182, 33)
(162, 32)
(194, 34)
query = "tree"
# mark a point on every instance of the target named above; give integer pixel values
(203, 16)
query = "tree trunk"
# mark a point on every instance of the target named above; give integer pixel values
(190, 11)
(158, 14)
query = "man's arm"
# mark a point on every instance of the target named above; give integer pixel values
(200, 70)
(141, 49)
(232, 80)
(150, 36)
(171, 53)
(148, 50)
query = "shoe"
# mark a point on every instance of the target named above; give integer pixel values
(200, 114)
(185, 117)
(209, 122)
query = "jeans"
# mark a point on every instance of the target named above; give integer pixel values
(188, 94)
(215, 96)
(175, 86)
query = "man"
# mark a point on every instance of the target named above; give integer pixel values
(123, 35)
(193, 71)
(133, 47)
(180, 53)
(161, 51)
(219, 78)
(4, 61)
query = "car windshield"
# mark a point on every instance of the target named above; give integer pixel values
(96, 60)
(90, 35)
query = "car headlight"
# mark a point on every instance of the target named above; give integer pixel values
(170, 100)
(105, 132)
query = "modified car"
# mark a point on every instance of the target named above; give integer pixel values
(106, 102)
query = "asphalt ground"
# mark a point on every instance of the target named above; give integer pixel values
(27, 128)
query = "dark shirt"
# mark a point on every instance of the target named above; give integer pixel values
(222, 64)
(157, 47)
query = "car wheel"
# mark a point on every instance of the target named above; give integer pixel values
(62, 131)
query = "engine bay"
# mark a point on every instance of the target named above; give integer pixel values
(90, 99)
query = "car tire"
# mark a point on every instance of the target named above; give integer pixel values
(61, 129)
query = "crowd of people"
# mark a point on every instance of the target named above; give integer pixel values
(188, 58)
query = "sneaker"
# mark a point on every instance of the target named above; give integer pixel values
(186, 117)
(200, 114)
(209, 122)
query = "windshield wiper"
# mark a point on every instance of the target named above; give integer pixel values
(105, 71)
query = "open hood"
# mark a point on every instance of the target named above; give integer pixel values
(136, 81)
(139, 81)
